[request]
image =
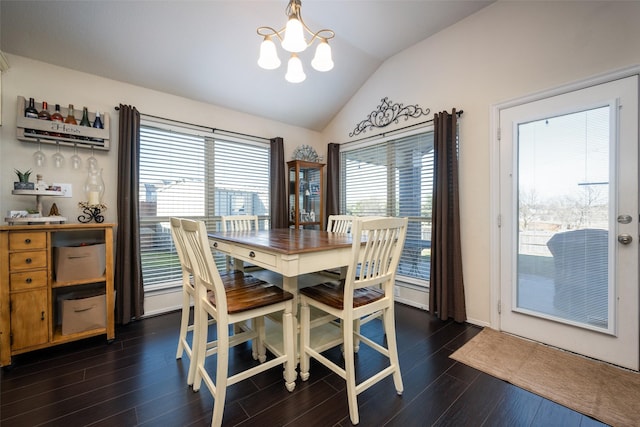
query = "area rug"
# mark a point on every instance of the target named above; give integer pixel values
(596, 389)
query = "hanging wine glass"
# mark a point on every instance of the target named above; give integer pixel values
(92, 162)
(58, 158)
(38, 157)
(76, 161)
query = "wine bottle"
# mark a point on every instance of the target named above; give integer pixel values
(44, 113)
(31, 111)
(71, 119)
(97, 123)
(56, 116)
(85, 118)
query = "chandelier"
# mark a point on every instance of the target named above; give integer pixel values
(292, 39)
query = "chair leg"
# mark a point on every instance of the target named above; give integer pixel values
(388, 319)
(184, 323)
(257, 344)
(349, 367)
(222, 372)
(305, 326)
(199, 348)
(356, 342)
(289, 349)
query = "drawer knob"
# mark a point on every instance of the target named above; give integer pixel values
(27, 241)
(215, 244)
(28, 280)
(28, 260)
(252, 254)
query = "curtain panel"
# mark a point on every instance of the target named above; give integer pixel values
(446, 291)
(278, 184)
(128, 265)
(333, 180)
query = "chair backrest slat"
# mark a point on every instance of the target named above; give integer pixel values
(205, 272)
(239, 222)
(178, 241)
(340, 223)
(376, 260)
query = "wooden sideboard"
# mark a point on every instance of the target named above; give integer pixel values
(32, 297)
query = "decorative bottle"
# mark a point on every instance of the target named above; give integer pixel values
(97, 123)
(71, 119)
(56, 116)
(85, 118)
(44, 113)
(31, 111)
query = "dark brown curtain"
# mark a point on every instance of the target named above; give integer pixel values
(278, 174)
(446, 291)
(333, 179)
(128, 269)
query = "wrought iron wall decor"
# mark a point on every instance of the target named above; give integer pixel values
(386, 113)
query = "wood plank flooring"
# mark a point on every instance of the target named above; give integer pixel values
(136, 381)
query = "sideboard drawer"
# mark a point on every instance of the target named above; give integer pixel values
(27, 260)
(19, 241)
(28, 280)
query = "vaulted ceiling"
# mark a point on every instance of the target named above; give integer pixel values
(207, 50)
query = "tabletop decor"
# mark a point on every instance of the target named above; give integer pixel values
(305, 153)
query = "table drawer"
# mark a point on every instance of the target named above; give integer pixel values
(28, 260)
(221, 246)
(19, 241)
(257, 257)
(28, 280)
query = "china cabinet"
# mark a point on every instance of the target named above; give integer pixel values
(306, 194)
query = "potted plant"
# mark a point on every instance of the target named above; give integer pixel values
(23, 181)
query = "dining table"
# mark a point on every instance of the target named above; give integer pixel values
(290, 252)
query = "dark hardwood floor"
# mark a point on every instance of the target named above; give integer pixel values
(136, 381)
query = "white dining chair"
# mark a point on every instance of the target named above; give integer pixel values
(367, 288)
(230, 278)
(228, 306)
(238, 223)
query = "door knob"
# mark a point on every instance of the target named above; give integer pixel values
(625, 239)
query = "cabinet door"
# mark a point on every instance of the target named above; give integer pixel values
(29, 319)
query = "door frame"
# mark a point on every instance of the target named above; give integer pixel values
(494, 171)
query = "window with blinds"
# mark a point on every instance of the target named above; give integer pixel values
(190, 173)
(394, 178)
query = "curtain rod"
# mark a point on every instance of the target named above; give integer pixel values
(391, 132)
(213, 130)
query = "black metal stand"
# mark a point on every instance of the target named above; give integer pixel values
(91, 212)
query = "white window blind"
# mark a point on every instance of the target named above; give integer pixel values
(394, 178)
(193, 174)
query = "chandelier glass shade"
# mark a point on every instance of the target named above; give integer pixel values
(292, 39)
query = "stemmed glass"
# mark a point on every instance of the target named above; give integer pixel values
(92, 162)
(76, 161)
(38, 157)
(58, 158)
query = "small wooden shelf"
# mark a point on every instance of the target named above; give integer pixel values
(69, 283)
(37, 220)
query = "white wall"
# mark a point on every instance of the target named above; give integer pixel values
(507, 50)
(57, 85)
(53, 84)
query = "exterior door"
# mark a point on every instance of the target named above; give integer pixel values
(569, 221)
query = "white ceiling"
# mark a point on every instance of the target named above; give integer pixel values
(207, 50)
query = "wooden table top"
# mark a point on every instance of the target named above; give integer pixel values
(287, 241)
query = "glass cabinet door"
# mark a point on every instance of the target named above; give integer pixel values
(306, 188)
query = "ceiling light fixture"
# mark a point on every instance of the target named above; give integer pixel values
(292, 39)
